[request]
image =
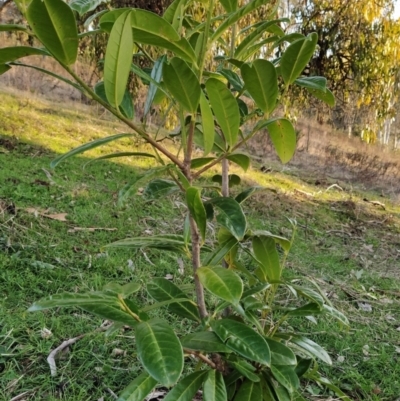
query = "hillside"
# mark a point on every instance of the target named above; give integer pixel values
(53, 224)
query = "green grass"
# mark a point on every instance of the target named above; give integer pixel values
(350, 247)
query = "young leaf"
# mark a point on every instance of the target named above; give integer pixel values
(219, 253)
(243, 340)
(286, 376)
(230, 216)
(162, 289)
(226, 109)
(240, 159)
(9, 54)
(265, 251)
(204, 341)
(126, 106)
(156, 75)
(221, 282)
(118, 59)
(207, 121)
(54, 24)
(87, 146)
(214, 387)
(246, 369)
(262, 83)
(183, 84)
(139, 388)
(283, 136)
(154, 341)
(249, 391)
(296, 57)
(84, 6)
(280, 353)
(187, 388)
(197, 210)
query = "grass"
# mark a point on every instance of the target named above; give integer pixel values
(350, 247)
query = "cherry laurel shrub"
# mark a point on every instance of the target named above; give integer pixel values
(224, 81)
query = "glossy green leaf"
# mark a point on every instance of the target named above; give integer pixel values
(197, 210)
(280, 392)
(12, 27)
(201, 161)
(265, 251)
(236, 16)
(9, 54)
(243, 340)
(118, 59)
(233, 79)
(233, 179)
(139, 388)
(230, 215)
(283, 136)
(126, 106)
(54, 24)
(286, 376)
(214, 387)
(182, 83)
(226, 109)
(98, 303)
(281, 354)
(160, 187)
(173, 14)
(87, 146)
(306, 310)
(247, 193)
(156, 75)
(296, 57)
(4, 68)
(240, 159)
(162, 289)
(303, 366)
(154, 342)
(204, 341)
(310, 294)
(261, 82)
(326, 96)
(249, 391)
(207, 121)
(246, 369)
(221, 282)
(187, 388)
(84, 6)
(229, 5)
(219, 253)
(336, 314)
(173, 243)
(317, 83)
(308, 346)
(282, 241)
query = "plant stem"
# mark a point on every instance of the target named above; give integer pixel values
(201, 357)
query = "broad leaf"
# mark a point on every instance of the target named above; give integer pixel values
(283, 136)
(4, 68)
(247, 193)
(54, 24)
(226, 109)
(139, 388)
(243, 340)
(126, 106)
(182, 83)
(286, 376)
(233, 78)
(296, 57)
(219, 253)
(282, 241)
(262, 83)
(204, 341)
(336, 314)
(249, 391)
(160, 187)
(265, 251)
(326, 96)
(214, 387)
(306, 310)
(87, 146)
(197, 210)
(230, 216)
(187, 388)
(229, 5)
(9, 54)
(207, 121)
(162, 289)
(221, 282)
(280, 353)
(118, 59)
(308, 346)
(155, 340)
(246, 369)
(84, 6)
(201, 161)
(327, 383)
(173, 14)
(317, 83)
(156, 75)
(240, 159)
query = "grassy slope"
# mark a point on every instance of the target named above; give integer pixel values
(351, 248)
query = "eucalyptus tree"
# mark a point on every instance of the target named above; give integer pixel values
(249, 353)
